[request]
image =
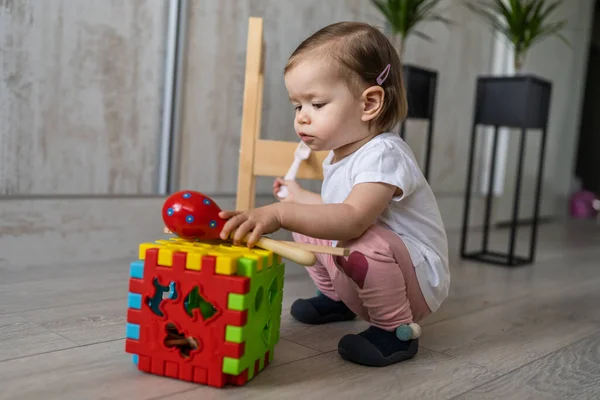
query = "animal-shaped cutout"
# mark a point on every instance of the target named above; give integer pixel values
(196, 301)
(161, 293)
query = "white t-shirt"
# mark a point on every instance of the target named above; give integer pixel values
(414, 215)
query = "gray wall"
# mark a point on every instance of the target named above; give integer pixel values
(463, 52)
(215, 73)
(80, 95)
(214, 79)
(459, 54)
(90, 74)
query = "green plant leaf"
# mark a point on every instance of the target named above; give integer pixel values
(489, 14)
(386, 12)
(548, 10)
(522, 22)
(404, 15)
(563, 39)
(423, 36)
(441, 19)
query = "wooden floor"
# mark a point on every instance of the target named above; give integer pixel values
(527, 333)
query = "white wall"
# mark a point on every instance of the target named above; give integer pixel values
(80, 96)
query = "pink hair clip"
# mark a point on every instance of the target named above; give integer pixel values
(384, 74)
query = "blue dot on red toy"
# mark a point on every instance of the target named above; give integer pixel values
(192, 215)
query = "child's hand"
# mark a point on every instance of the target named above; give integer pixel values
(294, 190)
(258, 221)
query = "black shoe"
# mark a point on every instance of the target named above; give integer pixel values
(320, 310)
(376, 347)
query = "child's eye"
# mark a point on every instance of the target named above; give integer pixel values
(297, 108)
(318, 105)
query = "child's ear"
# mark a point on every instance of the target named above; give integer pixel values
(372, 100)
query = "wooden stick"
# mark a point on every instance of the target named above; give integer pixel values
(334, 251)
(286, 250)
(293, 253)
(182, 342)
(177, 342)
(289, 250)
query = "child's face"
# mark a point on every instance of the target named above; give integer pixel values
(328, 114)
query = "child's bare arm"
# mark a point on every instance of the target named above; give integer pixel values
(343, 221)
(296, 193)
(308, 197)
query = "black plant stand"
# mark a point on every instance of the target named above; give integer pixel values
(514, 102)
(421, 86)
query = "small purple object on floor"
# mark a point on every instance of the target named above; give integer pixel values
(581, 205)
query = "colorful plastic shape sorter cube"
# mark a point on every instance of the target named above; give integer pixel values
(202, 312)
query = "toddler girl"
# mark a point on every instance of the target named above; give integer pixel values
(345, 83)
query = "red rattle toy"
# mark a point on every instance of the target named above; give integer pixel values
(194, 216)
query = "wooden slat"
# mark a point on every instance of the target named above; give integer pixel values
(273, 158)
(539, 324)
(258, 124)
(251, 114)
(263, 157)
(564, 374)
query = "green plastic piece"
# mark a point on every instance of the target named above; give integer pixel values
(263, 304)
(234, 334)
(237, 302)
(231, 365)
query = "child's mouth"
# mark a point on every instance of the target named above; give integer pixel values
(306, 138)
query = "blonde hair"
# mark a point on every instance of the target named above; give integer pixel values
(361, 53)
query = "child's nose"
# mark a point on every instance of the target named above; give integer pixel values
(303, 118)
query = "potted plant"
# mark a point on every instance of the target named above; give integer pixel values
(402, 17)
(523, 22)
(518, 101)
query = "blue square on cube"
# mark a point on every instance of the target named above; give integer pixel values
(133, 331)
(134, 300)
(136, 269)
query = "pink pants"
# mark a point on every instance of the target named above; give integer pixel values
(377, 281)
